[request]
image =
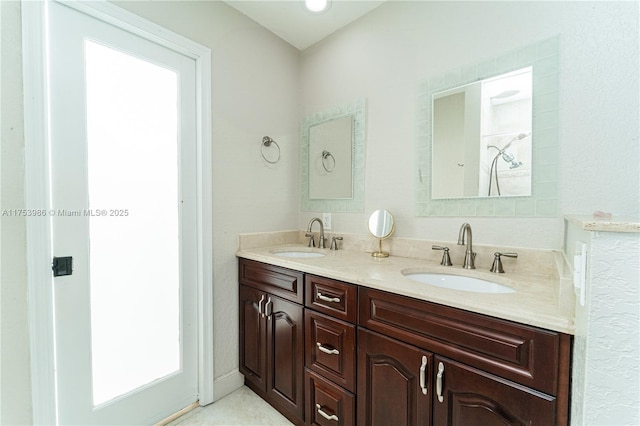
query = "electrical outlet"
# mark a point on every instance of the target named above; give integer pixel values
(580, 271)
(326, 221)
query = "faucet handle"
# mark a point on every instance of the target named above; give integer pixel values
(312, 241)
(497, 262)
(334, 243)
(446, 259)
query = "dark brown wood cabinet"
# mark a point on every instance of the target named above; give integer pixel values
(394, 382)
(355, 355)
(330, 351)
(253, 337)
(486, 371)
(272, 337)
(468, 396)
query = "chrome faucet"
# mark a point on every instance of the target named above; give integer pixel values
(470, 256)
(321, 242)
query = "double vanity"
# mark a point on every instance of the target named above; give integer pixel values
(341, 337)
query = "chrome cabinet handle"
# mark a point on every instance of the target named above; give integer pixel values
(327, 299)
(423, 375)
(327, 351)
(260, 306)
(325, 415)
(439, 381)
(266, 308)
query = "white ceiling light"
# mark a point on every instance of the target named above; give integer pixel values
(317, 6)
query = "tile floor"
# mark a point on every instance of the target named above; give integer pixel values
(242, 407)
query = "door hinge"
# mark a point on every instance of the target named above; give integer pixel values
(62, 266)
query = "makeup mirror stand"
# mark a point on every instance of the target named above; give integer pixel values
(381, 225)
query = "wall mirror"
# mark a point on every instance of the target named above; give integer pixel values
(487, 137)
(482, 138)
(332, 159)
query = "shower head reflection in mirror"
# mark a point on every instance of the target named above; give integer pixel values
(536, 194)
(507, 157)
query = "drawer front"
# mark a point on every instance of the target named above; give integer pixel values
(331, 297)
(328, 404)
(282, 282)
(524, 354)
(330, 348)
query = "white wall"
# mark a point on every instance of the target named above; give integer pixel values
(384, 55)
(254, 93)
(606, 353)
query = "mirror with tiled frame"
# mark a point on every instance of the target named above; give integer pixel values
(543, 58)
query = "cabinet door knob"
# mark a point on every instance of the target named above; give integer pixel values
(325, 415)
(260, 306)
(423, 375)
(439, 381)
(327, 299)
(326, 350)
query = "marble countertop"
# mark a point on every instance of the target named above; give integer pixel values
(545, 301)
(605, 223)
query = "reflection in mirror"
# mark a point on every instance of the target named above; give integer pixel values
(482, 138)
(330, 159)
(381, 225)
(504, 149)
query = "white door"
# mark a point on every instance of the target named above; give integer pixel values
(123, 198)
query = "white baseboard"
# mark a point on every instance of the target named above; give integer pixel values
(224, 385)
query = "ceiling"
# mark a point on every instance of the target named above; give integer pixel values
(291, 21)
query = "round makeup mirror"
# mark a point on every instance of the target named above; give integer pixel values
(381, 225)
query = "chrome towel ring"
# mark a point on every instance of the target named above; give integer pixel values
(325, 155)
(267, 141)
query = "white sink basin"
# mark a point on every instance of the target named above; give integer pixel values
(457, 282)
(301, 254)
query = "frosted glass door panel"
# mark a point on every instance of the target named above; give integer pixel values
(132, 138)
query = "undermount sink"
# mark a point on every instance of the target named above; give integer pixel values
(301, 254)
(457, 282)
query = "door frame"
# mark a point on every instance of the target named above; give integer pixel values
(37, 196)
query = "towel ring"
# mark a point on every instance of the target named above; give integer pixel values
(326, 154)
(267, 141)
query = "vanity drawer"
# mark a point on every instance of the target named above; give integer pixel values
(279, 281)
(524, 354)
(331, 348)
(328, 404)
(331, 297)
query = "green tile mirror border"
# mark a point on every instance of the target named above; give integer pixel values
(353, 205)
(543, 56)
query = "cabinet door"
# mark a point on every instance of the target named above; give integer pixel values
(285, 355)
(473, 397)
(393, 382)
(253, 354)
